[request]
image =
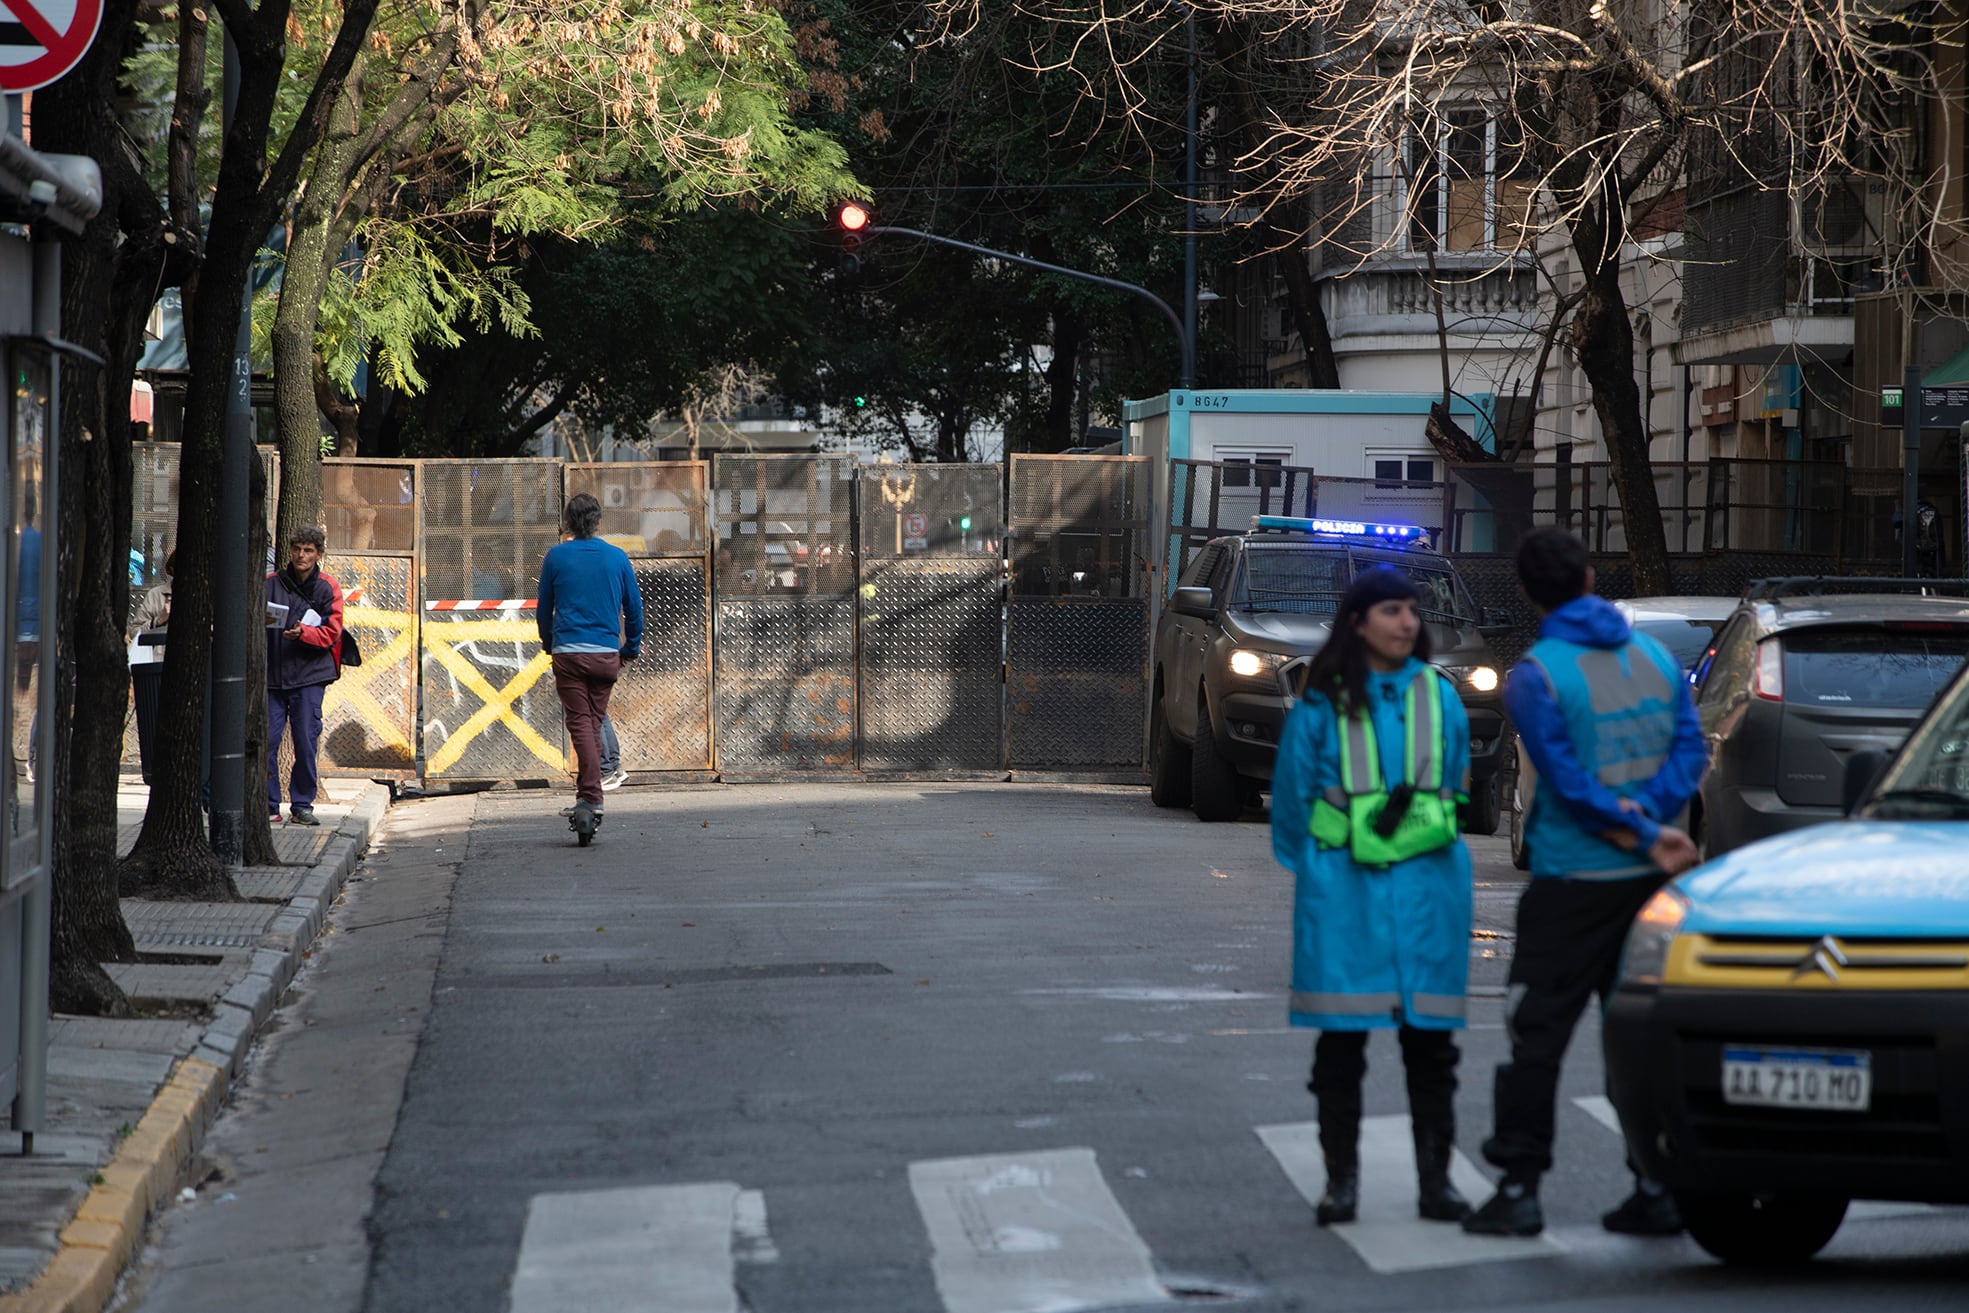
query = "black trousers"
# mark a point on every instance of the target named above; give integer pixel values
(1429, 1060)
(1570, 936)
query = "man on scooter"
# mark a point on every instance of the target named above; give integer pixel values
(590, 614)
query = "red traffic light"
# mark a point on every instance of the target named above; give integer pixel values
(852, 216)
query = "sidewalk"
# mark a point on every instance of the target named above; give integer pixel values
(129, 1102)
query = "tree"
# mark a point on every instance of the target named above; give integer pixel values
(171, 858)
(1592, 110)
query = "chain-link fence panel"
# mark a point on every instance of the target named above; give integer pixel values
(931, 617)
(784, 643)
(1077, 643)
(657, 512)
(490, 710)
(369, 507)
(369, 715)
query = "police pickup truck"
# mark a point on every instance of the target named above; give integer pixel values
(1246, 617)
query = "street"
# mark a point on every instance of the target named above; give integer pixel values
(834, 1048)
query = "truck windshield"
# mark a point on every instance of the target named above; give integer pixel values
(1444, 598)
(1310, 580)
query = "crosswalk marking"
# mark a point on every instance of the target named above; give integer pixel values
(1030, 1233)
(1600, 1108)
(1389, 1237)
(659, 1249)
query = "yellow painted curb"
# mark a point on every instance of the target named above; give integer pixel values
(147, 1170)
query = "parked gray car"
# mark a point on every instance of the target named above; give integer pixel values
(1803, 676)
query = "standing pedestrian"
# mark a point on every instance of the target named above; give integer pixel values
(303, 658)
(1370, 772)
(590, 615)
(1606, 719)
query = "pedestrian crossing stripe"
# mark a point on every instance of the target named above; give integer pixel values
(652, 1249)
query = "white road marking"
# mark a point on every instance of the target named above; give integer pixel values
(752, 1239)
(1388, 1236)
(1600, 1108)
(1030, 1233)
(1157, 994)
(659, 1249)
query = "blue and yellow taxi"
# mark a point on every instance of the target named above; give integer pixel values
(1790, 1030)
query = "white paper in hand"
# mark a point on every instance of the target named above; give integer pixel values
(311, 617)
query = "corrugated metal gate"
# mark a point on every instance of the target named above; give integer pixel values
(490, 712)
(931, 617)
(658, 512)
(784, 582)
(369, 715)
(1077, 638)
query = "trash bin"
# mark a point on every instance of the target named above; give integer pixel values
(146, 677)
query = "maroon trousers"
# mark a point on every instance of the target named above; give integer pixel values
(584, 681)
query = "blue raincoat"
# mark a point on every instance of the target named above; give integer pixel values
(1372, 947)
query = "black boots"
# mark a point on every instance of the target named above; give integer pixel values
(1512, 1211)
(1341, 1202)
(1436, 1199)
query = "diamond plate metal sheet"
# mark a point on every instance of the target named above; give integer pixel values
(369, 506)
(786, 687)
(486, 525)
(1077, 638)
(661, 707)
(1076, 694)
(369, 715)
(931, 682)
(490, 710)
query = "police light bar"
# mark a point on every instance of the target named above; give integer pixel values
(1346, 528)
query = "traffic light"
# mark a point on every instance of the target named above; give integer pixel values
(850, 217)
(861, 403)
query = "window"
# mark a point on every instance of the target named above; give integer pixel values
(1870, 668)
(1390, 471)
(1252, 467)
(1205, 564)
(1468, 182)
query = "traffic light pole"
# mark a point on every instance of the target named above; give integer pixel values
(1182, 334)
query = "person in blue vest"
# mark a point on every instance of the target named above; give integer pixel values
(1371, 769)
(1607, 721)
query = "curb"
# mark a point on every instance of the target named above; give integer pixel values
(157, 1157)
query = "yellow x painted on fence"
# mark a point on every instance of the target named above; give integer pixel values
(353, 686)
(441, 640)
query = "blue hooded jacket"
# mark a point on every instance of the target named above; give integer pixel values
(1606, 718)
(1371, 947)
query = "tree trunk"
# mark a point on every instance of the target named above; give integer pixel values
(1062, 376)
(303, 276)
(258, 849)
(1603, 340)
(109, 276)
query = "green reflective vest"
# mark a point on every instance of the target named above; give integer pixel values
(1345, 817)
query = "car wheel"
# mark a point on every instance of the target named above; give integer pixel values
(1486, 806)
(1761, 1230)
(1215, 791)
(1520, 844)
(1169, 761)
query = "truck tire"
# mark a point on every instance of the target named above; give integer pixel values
(1216, 793)
(1761, 1230)
(1520, 843)
(1486, 806)
(1169, 760)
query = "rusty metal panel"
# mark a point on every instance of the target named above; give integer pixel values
(490, 710)
(931, 618)
(1077, 640)
(369, 506)
(369, 715)
(786, 683)
(486, 525)
(784, 642)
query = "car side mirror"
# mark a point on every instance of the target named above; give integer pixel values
(1862, 769)
(1495, 620)
(1194, 601)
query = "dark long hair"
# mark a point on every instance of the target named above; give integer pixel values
(1338, 671)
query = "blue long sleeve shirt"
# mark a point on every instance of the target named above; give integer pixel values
(588, 600)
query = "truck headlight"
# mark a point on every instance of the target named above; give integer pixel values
(1482, 678)
(1251, 664)
(1648, 942)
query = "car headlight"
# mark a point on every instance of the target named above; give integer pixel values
(1648, 942)
(1483, 679)
(1251, 664)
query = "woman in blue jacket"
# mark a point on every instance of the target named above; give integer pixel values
(1371, 768)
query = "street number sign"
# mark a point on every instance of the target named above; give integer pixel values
(42, 39)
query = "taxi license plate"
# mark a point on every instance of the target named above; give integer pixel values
(1825, 1080)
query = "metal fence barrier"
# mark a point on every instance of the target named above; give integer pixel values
(1077, 637)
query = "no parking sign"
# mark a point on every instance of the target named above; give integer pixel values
(42, 39)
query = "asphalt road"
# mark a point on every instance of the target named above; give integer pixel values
(833, 1048)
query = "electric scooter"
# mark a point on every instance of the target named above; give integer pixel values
(584, 821)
